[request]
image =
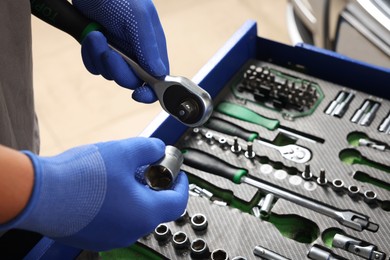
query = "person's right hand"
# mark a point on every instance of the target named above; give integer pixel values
(90, 197)
(132, 26)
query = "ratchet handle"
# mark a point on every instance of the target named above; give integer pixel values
(64, 16)
(229, 128)
(179, 96)
(208, 163)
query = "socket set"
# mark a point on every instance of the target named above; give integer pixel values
(288, 166)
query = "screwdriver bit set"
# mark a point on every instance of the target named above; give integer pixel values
(292, 164)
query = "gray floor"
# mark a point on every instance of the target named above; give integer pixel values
(75, 107)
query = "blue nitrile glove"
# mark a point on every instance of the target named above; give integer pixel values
(134, 27)
(90, 197)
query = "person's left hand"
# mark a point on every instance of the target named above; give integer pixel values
(135, 28)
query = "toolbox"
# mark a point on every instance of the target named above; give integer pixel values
(293, 163)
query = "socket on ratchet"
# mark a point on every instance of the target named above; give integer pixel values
(178, 96)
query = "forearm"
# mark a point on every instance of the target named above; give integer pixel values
(16, 182)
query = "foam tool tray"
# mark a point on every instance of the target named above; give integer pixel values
(294, 162)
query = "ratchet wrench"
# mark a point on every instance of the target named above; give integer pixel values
(179, 96)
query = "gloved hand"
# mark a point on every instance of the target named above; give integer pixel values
(88, 197)
(134, 27)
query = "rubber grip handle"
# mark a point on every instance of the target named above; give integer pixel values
(211, 164)
(247, 115)
(64, 16)
(229, 128)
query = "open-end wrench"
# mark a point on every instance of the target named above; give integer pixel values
(208, 163)
(179, 96)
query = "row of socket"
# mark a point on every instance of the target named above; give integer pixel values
(363, 116)
(223, 143)
(198, 248)
(338, 185)
(353, 191)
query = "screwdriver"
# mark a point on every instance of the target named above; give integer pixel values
(213, 165)
(245, 114)
(291, 152)
(229, 128)
(179, 96)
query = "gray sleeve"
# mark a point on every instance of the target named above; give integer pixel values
(18, 128)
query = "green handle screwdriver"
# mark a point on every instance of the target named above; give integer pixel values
(248, 115)
(211, 164)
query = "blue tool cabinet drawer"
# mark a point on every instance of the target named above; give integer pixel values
(335, 202)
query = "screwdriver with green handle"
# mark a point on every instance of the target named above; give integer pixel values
(248, 115)
(213, 165)
(290, 152)
(179, 96)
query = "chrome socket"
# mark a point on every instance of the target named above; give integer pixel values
(219, 254)
(338, 185)
(162, 234)
(199, 249)
(162, 174)
(180, 241)
(370, 196)
(199, 222)
(353, 191)
(267, 205)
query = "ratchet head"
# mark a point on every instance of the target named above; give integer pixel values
(184, 100)
(179, 96)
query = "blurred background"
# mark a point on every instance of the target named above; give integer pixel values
(75, 107)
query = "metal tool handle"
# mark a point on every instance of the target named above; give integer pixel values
(178, 96)
(211, 164)
(347, 218)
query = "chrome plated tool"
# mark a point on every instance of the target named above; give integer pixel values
(267, 254)
(213, 165)
(290, 152)
(357, 247)
(317, 252)
(179, 96)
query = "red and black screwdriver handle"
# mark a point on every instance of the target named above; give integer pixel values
(64, 16)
